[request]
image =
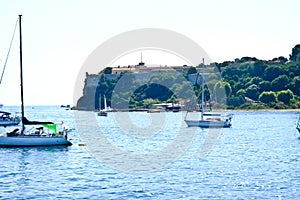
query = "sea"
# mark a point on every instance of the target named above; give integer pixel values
(139, 155)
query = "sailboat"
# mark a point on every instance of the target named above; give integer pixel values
(208, 120)
(45, 134)
(103, 112)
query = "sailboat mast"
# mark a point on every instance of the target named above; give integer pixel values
(202, 95)
(100, 103)
(21, 71)
(105, 103)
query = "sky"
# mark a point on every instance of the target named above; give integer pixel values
(59, 35)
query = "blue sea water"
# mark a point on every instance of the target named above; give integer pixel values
(258, 158)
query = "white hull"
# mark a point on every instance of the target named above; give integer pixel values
(208, 124)
(21, 141)
(9, 122)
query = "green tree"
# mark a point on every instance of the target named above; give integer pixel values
(272, 72)
(222, 90)
(235, 101)
(285, 96)
(294, 68)
(265, 86)
(184, 90)
(191, 70)
(241, 92)
(258, 68)
(280, 59)
(280, 83)
(295, 53)
(267, 97)
(107, 70)
(296, 85)
(148, 103)
(252, 92)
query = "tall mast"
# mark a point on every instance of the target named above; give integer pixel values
(21, 71)
(202, 95)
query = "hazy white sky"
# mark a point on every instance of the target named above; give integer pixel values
(58, 35)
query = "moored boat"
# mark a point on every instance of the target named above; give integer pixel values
(103, 112)
(208, 120)
(37, 136)
(6, 119)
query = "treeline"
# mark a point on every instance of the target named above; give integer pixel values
(245, 83)
(258, 84)
(130, 91)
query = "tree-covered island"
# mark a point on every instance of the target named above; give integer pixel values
(245, 83)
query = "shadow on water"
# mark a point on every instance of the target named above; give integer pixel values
(37, 149)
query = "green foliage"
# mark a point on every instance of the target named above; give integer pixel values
(241, 92)
(252, 92)
(267, 97)
(258, 68)
(285, 96)
(272, 72)
(265, 86)
(221, 91)
(107, 70)
(295, 86)
(281, 82)
(295, 54)
(191, 70)
(234, 102)
(275, 83)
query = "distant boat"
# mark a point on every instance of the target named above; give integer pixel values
(45, 134)
(173, 107)
(65, 106)
(298, 125)
(102, 112)
(6, 119)
(208, 120)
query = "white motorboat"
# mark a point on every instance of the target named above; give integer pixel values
(6, 119)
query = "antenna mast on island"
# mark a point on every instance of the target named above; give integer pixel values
(141, 63)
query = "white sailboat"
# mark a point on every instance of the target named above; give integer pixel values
(213, 120)
(102, 112)
(208, 120)
(44, 135)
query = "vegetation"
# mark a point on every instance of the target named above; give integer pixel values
(246, 83)
(270, 84)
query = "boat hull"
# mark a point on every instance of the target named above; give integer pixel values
(23, 141)
(208, 124)
(102, 114)
(10, 123)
